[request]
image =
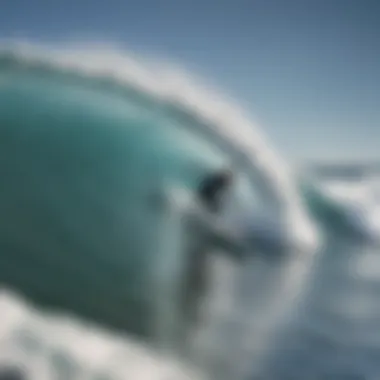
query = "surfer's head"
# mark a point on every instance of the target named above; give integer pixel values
(214, 186)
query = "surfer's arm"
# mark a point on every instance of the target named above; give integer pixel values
(220, 236)
(223, 239)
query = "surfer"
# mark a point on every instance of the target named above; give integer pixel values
(211, 194)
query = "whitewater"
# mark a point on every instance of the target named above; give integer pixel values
(100, 154)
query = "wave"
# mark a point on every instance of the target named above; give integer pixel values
(348, 206)
(171, 92)
(88, 139)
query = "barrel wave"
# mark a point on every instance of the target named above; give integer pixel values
(97, 152)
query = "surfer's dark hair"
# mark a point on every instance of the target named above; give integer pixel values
(213, 186)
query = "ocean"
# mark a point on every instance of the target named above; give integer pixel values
(100, 157)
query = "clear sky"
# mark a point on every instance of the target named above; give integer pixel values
(309, 70)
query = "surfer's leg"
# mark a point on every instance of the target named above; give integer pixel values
(195, 285)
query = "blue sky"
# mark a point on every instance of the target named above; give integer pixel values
(308, 70)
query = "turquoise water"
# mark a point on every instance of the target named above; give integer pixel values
(83, 170)
(91, 232)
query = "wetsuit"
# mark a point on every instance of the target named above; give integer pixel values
(210, 193)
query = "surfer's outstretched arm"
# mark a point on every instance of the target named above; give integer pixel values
(218, 235)
(201, 219)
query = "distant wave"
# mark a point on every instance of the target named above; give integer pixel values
(347, 204)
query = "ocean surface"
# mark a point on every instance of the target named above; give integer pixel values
(91, 142)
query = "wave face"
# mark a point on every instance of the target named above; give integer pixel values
(89, 140)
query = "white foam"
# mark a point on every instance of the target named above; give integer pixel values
(31, 339)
